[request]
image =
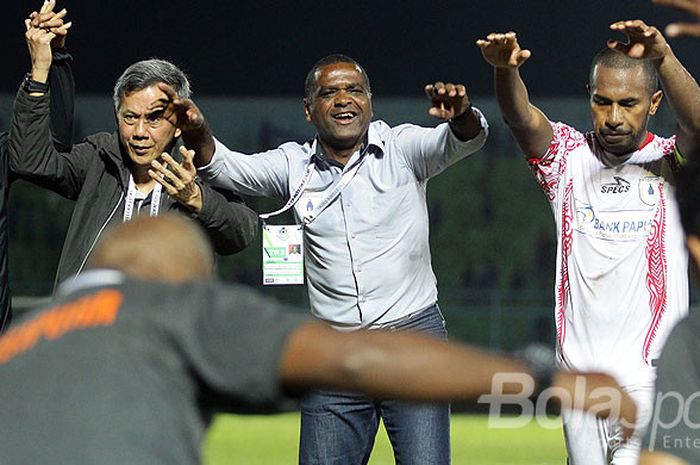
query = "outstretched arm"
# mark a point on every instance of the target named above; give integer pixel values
(681, 89)
(682, 29)
(527, 122)
(414, 367)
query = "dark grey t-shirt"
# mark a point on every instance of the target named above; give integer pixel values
(131, 373)
(674, 427)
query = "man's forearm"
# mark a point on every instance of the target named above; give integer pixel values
(512, 96)
(62, 87)
(201, 140)
(682, 91)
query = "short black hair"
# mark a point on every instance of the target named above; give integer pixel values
(310, 82)
(688, 196)
(611, 58)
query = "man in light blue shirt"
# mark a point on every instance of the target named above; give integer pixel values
(359, 189)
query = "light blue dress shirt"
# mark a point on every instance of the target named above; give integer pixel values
(367, 254)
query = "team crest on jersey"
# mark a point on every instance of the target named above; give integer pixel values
(649, 188)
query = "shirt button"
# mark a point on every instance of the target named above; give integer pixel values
(353, 236)
(359, 270)
(348, 205)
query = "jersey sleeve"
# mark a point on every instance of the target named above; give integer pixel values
(550, 168)
(234, 342)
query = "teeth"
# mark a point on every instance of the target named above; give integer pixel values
(344, 115)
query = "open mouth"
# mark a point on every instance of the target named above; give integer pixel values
(344, 117)
(141, 150)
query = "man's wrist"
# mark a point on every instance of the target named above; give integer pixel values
(34, 86)
(464, 114)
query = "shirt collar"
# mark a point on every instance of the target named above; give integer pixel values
(91, 278)
(372, 140)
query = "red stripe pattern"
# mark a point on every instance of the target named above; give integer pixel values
(656, 273)
(563, 291)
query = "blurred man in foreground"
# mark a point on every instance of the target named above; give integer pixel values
(137, 354)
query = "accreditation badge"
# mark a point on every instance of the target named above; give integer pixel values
(282, 254)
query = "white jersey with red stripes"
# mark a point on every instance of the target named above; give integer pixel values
(622, 268)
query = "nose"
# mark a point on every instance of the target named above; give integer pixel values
(140, 130)
(342, 98)
(614, 117)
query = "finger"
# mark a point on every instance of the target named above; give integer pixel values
(439, 88)
(172, 178)
(27, 25)
(619, 46)
(169, 188)
(52, 20)
(175, 167)
(522, 56)
(168, 90)
(450, 90)
(63, 30)
(187, 157)
(46, 6)
(683, 29)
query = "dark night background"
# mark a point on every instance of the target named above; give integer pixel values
(266, 48)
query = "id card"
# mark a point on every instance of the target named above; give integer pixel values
(282, 254)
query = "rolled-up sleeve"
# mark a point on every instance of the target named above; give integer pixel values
(428, 151)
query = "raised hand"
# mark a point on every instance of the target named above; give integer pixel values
(51, 21)
(447, 100)
(682, 29)
(643, 41)
(39, 44)
(187, 114)
(503, 50)
(178, 179)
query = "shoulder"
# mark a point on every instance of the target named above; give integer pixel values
(104, 140)
(567, 137)
(664, 145)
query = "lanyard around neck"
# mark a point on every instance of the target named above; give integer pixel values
(337, 188)
(131, 198)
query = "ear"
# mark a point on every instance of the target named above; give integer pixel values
(656, 98)
(177, 133)
(693, 243)
(307, 111)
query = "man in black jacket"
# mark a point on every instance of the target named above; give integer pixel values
(107, 174)
(61, 122)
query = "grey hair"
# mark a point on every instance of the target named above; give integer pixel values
(145, 73)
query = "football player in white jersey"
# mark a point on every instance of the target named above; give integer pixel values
(621, 280)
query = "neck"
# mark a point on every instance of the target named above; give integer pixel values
(142, 180)
(342, 156)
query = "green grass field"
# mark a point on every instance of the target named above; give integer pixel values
(272, 440)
